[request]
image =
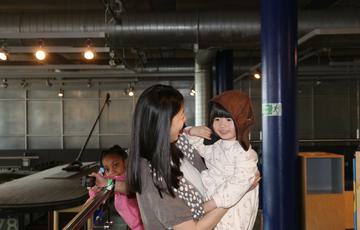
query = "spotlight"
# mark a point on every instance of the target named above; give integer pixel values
(89, 84)
(3, 54)
(61, 93)
(40, 53)
(4, 83)
(130, 91)
(257, 75)
(112, 63)
(192, 91)
(89, 53)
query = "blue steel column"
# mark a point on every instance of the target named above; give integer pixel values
(278, 39)
(224, 71)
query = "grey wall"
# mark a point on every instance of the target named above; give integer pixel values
(40, 119)
(328, 110)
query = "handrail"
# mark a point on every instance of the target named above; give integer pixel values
(87, 210)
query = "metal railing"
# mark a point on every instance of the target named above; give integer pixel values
(87, 210)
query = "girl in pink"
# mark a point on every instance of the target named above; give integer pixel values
(113, 162)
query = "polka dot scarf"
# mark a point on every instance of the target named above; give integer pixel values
(186, 191)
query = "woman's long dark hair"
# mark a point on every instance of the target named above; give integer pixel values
(150, 138)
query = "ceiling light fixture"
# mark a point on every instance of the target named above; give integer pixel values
(192, 91)
(89, 84)
(3, 53)
(4, 83)
(89, 53)
(61, 93)
(40, 53)
(130, 90)
(257, 75)
(112, 62)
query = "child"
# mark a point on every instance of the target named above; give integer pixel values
(231, 162)
(113, 162)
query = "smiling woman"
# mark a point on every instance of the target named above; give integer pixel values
(164, 169)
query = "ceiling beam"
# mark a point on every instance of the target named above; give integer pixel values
(55, 49)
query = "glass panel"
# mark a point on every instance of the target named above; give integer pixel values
(324, 175)
(332, 110)
(305, 110)
(12, 117)
(120, 93)
(108, 141)
(43, 94)
(91, 93)
(12, 143)
(117, 117)
(12, 94)
(44, 117)
(77, 142)
(44, 142)
(80, 115)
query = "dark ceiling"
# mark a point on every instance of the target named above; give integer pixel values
(155, 39)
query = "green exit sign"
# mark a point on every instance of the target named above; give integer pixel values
(271, 109)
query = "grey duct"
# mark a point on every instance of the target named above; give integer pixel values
(165, 29)
(202, 80)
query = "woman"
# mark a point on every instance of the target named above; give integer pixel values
(164, 169)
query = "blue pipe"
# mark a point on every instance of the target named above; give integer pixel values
(280, 175)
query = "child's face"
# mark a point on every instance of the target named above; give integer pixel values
(224, 128)
(114, 165)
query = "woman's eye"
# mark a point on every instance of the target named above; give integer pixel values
(229, 119)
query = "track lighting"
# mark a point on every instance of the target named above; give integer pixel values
(89, 84)
(257, 75)
(192, 91)
(130, 90)
(3, 53)
(112, 62)
(61, 93)
(4, 83)
(89, 53)
(40, 53)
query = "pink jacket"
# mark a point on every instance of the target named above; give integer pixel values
(127, 207)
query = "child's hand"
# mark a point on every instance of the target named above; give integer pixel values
(200, 131)
(256, 180)
(101, 181)
(93, 191)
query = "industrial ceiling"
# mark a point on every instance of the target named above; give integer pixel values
(147, 40)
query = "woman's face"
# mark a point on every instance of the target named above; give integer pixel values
(114, 165)
(177, 124)
(224, 128)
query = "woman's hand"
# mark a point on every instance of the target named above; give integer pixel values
(200, 131)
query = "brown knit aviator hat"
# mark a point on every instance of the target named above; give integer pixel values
(238, 104)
